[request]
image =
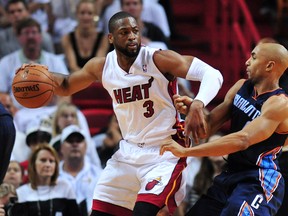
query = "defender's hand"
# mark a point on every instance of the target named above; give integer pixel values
(174, 147)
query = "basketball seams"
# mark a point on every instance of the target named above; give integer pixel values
(32, 81)
(33, 96)
(44, 73)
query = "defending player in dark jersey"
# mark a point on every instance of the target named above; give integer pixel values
(7, 137)
(258, 109)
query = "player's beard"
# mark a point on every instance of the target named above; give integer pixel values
(126, 52)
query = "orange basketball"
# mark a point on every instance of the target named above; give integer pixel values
(32, 86)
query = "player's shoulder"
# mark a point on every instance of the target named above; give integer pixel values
(166, 56)
(279, 100)
(97, 61)
(277, 105)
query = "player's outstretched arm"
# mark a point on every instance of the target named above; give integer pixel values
(273, 118)
(78, 80)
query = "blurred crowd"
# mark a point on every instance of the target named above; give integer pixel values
(56, 161)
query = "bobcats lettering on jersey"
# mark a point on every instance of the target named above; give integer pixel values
(130, 94)
(246, 106)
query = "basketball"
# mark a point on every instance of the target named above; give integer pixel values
(32, 86)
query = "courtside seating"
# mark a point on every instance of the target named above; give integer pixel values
(98, 119)
(95, 96)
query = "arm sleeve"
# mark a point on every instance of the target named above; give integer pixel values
(210, 78)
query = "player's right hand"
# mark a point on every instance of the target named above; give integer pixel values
(182, 103)
(23, 66)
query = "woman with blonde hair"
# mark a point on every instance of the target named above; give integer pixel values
(85, 42)
(45, 194)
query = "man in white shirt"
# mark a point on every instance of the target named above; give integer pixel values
(29, 35)
(80, 173)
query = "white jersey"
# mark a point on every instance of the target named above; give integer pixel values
(142, 99)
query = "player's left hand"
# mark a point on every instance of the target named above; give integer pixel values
(175, 148)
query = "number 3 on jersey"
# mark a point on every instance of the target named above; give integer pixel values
(149, 108)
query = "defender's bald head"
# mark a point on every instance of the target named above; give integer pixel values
(274, 52)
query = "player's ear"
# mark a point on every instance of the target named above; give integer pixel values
(270, 65)
(110, 38)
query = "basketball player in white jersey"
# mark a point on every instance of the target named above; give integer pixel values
(141, 82)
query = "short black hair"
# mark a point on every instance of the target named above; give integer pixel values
(28, 22)
(115, 18)
(14, 2)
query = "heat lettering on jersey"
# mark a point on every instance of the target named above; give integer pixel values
(245, 106)
(134, 93)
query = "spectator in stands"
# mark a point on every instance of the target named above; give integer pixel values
(152, 12)
(17, 10)
(80, 173)
(38, 133)
(45, 194)
(4, 22)
(8, 197)
(64, 12)
(168, 7)
(41, 10)
(14, 174)
(151, 35)
(30, 38)
(68, 114)
(85, 42)
(108, 143)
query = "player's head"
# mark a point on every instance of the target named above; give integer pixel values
(267, 60)
(124, 34)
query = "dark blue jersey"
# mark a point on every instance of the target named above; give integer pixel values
(246, 107)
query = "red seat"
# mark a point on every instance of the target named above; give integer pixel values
(97, 119)
(95, 96)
